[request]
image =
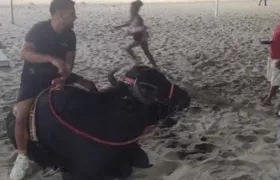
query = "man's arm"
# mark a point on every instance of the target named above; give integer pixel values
(33, 40)
(70, 58)
(29, 53)
(71, 53)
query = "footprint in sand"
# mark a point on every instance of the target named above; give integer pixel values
(184, 146)
(227, 154)
(269, 140)
(175, 155)
(204, 148)
(238, 162)
(201, 158)
(216, 171)
(168, 123)
(158, 135)
(261, 131)
(195, 109)
(246, 138)
(216, 108)
(211, 131)
(235, 163)
(247, 146)
(164, 168)
(243, 177)
(203, 138)
(172, 144)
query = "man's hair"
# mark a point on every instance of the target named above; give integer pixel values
(57, 5)
(139, 2)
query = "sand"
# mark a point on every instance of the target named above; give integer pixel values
(226, 134)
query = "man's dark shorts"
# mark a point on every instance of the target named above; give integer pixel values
(30, 89)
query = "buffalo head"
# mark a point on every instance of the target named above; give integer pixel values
(149, 86)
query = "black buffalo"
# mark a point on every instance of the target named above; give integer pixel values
(116, 116)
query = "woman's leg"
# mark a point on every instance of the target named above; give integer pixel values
(147, 52)
(130, 51)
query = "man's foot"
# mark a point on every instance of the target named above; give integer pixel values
(20, 167)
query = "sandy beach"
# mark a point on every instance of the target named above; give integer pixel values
(226, 134)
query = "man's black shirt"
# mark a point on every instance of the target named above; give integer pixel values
(48, 42)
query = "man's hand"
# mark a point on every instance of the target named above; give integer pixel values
(64, 69)
(58, 83)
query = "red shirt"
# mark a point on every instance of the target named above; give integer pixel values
(275, 45)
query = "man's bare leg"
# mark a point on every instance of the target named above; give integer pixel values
(272, 93)
(21, 135)
(147, 52)
(130, 51)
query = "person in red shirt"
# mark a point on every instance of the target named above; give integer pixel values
(273, 64)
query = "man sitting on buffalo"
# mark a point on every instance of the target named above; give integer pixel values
(48, 53)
